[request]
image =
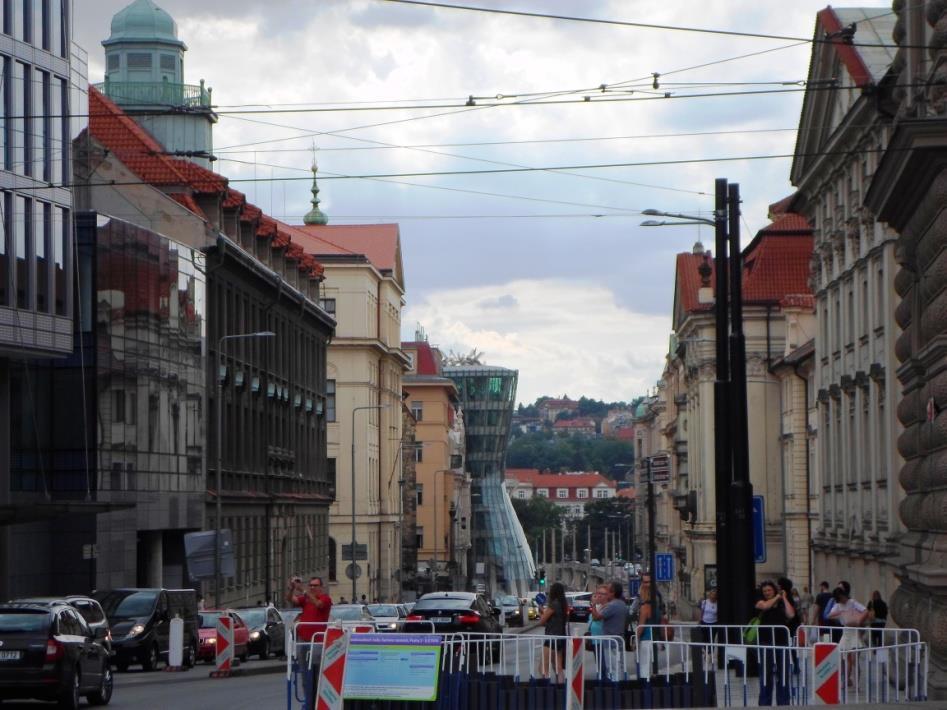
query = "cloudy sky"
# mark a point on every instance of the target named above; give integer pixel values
(545, 271)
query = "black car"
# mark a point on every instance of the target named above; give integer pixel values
(452, 612)
(48, 652)
(267, 630)
(581, 610)
(141, 622)
(88, 608)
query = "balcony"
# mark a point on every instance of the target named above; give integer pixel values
(157, 93)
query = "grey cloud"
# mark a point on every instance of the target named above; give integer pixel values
(505, 301)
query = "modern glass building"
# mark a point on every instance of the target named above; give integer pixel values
(502, 560)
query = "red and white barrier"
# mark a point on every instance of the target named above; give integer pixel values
(224, 648)
(575, 673)
(332, 670)
(827, 673)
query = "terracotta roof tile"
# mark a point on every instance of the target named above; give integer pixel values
(377, 242)
(281, 240)
(558, 480)
(294, 252)
(202, 179)
(250, 212)
(775, 263)
(234, 198)
(425, 363)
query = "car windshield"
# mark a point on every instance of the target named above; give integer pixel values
(345, 613)
(253, 617)
(383, 610)
(128, 604)
(442, 603)
(23, 622)
(509, 601)
(209, 619)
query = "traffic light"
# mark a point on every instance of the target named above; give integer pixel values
(542, 576)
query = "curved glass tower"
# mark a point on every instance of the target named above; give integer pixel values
(501, 555)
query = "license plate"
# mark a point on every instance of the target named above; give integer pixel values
(10, 655)
(441, 619)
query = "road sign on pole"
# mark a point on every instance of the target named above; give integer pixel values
(664, 567)
(759, 529)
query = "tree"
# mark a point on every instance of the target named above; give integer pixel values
(537, 515)
(547, 452)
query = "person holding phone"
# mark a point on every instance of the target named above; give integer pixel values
(310, 624)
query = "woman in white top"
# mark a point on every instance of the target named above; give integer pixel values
(852, 615)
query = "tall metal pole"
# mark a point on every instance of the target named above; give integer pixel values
(722, 459)
(740, 497)
(652, 548)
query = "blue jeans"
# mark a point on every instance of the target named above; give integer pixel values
(774, 671)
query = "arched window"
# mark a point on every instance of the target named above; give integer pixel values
(332, 577)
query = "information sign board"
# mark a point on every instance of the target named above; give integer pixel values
(540, 599)
(392, 667)
(759, 529)
(663, 567)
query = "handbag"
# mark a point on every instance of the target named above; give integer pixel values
(752, 632)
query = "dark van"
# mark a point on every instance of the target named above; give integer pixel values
(140, 620)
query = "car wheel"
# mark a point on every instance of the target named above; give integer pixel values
(190, 656)
(151, 660)
(265, 650)
(69, 698)
(104, 693)
(243, 656)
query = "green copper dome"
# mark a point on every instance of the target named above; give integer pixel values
(315, 215)
(143, 21)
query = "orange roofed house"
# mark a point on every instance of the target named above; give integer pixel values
(778, 318)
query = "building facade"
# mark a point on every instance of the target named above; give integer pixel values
(501, 558)
(775, 267)
(364, 290)
(43, 109)
(569, 491)
(855, 462)
(441, 480)
(906, 193)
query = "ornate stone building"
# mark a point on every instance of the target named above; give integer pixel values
(908, 194)
(855, 464)
(776, 267)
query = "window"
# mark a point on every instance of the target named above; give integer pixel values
(601, 493)
(419, 537)
(417, 410)
(139, 60)
(57, 24)
(330, 474)
(332, 560)
(521, 494)
(113, 62)
(18, 122)
(41, 212)
(40, 154)
(543, 492)
(20, 222)
(60, 239)
(5, 203)
(562, 493)
(328, 305)
(419, 493)
(582, 493)
(168, 63)
(419, 453)
(330, 400)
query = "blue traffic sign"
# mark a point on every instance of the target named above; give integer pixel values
(540, 598)
(634, 586)
(664, 567)
(759, 529)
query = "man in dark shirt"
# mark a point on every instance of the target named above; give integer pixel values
(822, 600)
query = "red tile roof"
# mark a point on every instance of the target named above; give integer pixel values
(625, 493)
(425, 363)
(531, 476)
(775, 263)
(377, 242)
(798, 300)
(574, 424)
(144, 156)
(130, 143)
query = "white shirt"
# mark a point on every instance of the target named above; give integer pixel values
(708, 612)
(847, 613)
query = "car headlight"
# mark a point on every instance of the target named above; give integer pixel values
(212, 641)
(254, 635)
(136, 629)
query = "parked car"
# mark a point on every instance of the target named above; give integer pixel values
(350, 613)
(140, 621)
(48, 652)
(580, 606)
(452, 612)
(267, 630)
(208, 635)
(88, 608)
(532, 611)
(388, 617)
(510, 609)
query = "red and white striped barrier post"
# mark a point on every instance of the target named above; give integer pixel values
(224, 648)
(827, 673)
(575, 673)
(332, 670)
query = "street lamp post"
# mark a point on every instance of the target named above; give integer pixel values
(732, 487)
(220, 429)
(352, 467)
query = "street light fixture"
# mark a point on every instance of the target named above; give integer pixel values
(352, 466)
(219, 506)
(732, 487)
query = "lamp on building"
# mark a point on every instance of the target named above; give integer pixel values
(352, 464)
(219, 497)
(734, 492)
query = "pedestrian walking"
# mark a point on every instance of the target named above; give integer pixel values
(310, 625)
(554, 618)
(851, 615)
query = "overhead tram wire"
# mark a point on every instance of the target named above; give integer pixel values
(645, 25)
